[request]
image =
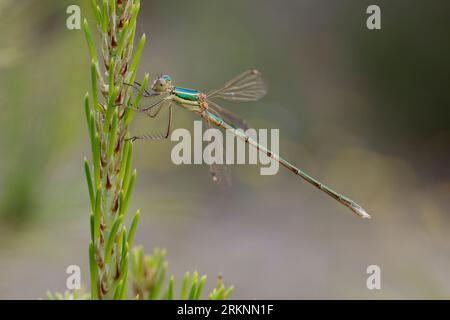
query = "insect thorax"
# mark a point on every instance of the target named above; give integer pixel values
(186, 94)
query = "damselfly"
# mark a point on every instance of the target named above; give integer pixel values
(249, 86)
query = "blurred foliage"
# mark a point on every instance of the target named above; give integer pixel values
(148, 275)
(407, 66)
(366, 111)
(392, 86)
(40, 91)
(75, 295)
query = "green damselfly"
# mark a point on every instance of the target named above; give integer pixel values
(249, 86)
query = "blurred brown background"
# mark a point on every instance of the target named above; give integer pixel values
(367, 112)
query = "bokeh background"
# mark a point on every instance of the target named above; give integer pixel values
(367, 112)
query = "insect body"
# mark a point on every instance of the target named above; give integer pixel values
(186, 94)
(249, 86)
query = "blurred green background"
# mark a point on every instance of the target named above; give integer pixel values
(367, 112)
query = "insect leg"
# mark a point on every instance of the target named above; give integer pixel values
(157, 136)
(136, 85)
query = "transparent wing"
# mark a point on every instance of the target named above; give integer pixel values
(249, 86)
(227, 116)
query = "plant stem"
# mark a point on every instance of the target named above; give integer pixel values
(111, 184)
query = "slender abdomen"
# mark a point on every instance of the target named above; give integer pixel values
(353, 206)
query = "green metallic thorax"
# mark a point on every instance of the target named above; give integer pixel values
(186, 94)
